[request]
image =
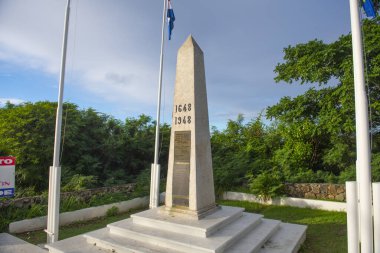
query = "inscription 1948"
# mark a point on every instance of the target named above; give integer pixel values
(182, 109)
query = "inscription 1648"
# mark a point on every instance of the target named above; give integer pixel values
(182, 109)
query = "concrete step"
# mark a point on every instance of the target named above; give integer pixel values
(115, 243)
(288, 239)
(159, 219)
(253, 241)
(76, 244)
(249, 233)
(12, 244)
(216, 243)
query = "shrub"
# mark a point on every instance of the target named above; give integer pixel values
(266, 185)
(112, 211)
(375, 168)
(309, 176)
(72, 203)
(142, 184)
(79, 182)
(36, 210)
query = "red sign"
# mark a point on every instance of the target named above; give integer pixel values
(7, 176)
(7, 160)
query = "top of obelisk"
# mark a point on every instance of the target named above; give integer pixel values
(191, 43)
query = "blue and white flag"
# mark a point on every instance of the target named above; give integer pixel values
(368, 8)
(171, 19)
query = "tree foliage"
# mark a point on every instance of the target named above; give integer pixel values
(318, 127)
(310, 137)
(95, 146)
(239, 149)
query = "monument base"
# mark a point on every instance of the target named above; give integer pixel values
(228, 229)
(190, 214)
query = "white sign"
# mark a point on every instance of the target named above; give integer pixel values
(7, 176)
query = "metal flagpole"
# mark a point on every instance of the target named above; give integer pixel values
(55, 170)
(155, 169)
(363, 152)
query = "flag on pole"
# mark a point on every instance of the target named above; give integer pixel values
(369, 8)
(171, 19)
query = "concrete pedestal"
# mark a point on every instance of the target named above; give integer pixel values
(229, 229)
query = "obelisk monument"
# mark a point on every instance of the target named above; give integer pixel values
(190, 183)
(190, 222)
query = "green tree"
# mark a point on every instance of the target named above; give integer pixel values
(139, 144)
(27, 132)
(85, 137)
(241, 150)
(318, 128)
(96, 149)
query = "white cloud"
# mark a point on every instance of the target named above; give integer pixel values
(29, 34)
(15, 101)
(114, 45)
(106, 54)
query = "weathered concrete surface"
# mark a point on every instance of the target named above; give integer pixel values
(286, 201)
(156, 218)
(190, 183)
(67, 218)
(288, 239)
(221, 231)
(12, 244)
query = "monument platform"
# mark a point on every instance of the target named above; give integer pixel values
(229, 229)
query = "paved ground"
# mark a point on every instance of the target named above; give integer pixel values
(11, 244)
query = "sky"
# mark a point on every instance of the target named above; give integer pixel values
(113, 52)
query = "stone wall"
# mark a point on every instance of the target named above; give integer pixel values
(317, 191)
(85, 195)
(306, 190)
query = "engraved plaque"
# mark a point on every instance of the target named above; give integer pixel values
(181, 169)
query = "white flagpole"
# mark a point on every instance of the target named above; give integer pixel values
(363, 152)
(55, 170)
(155, 169)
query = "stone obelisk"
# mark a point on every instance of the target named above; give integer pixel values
(190, 221)
(190, 183)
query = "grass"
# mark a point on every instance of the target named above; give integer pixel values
(326, 231)
(72, 203)
(39, 237)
